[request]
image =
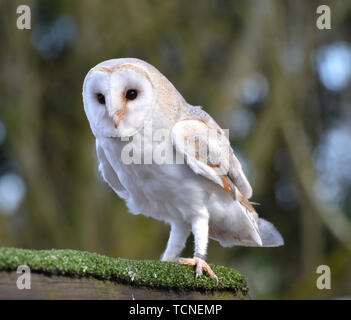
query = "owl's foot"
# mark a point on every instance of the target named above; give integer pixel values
(200, 265)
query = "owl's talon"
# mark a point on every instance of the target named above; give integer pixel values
(200, 265)
(198, 271)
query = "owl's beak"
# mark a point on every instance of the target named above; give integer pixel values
(118, 116)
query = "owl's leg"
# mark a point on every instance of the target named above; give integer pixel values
(176, 242)
(200, 231)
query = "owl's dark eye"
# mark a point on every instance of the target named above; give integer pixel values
(131, 94)
(100, 98)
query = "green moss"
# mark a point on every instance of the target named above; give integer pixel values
(149, 273)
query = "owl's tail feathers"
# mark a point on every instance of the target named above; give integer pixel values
(241, 226)
(270, 236)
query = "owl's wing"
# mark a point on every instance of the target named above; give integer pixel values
(207, 151)
(109, 174)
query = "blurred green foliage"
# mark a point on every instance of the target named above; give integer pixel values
(249, 63)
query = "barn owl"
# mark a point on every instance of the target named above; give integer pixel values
(206, 194)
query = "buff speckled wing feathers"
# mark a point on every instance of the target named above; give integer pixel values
(207, 151)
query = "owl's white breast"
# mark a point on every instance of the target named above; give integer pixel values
(173, 192)
(165, 192)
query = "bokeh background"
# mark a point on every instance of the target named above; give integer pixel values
(260, 68)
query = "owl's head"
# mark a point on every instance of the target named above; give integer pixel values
(119, 97)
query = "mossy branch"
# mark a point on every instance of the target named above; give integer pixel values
(148, 273)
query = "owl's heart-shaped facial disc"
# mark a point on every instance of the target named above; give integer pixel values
(118, 99)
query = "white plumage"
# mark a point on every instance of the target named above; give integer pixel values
(207, 195)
